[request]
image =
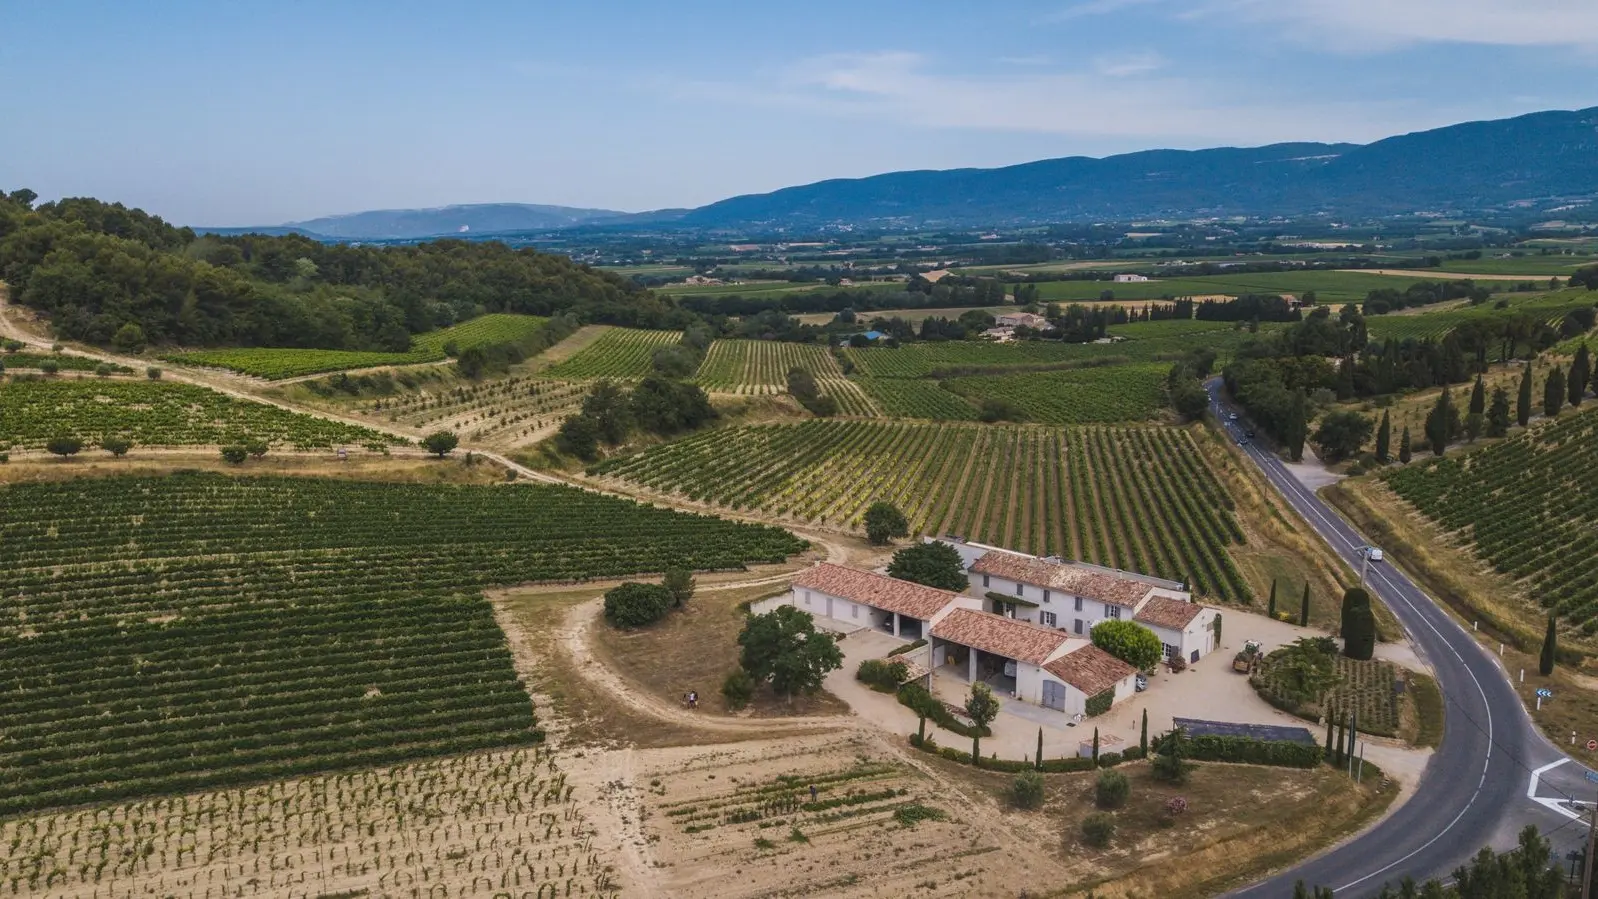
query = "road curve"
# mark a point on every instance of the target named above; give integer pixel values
(1476, 781)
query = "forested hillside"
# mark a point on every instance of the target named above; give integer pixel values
(95, 267)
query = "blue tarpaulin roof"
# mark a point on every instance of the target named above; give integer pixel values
(1195, 727)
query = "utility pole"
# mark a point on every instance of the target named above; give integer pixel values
(1586, 868)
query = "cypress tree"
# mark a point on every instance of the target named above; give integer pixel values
(1498, 414)
(1297, 428)
(1545, 662)
(1404, 451)
(1554, 392)
(1359, 624)
(1442, 423)
(1095, 746)
(1384, 439)
(1039, 763)
(1303, 607)
(1143, 739)
(1523, 402)
(1353, 734)
(1328, 735)
(1270, 608)
(1478, 398)
(1342, 737)
(1580, 374)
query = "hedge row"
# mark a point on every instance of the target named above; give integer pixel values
(939, 715)
(1050, 766)
(1248, 751)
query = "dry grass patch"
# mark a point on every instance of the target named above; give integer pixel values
(404, 468)
(695, 647)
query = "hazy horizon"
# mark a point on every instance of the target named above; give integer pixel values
(234, 116)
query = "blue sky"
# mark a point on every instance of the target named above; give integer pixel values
(222, 113)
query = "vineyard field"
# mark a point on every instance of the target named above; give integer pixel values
(1527, 507)
(761, 366)
(917, 398)
(157, 413)
(1138, 498)
(618, 353)
(274, 363)
(1550, 307)
(63, 361)
(1074, 396)
(505, 411)
(501, 821)
(175, 633)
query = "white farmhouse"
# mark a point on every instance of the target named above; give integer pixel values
(1022, 320)
(845, 599)
(1130, 279)
(1074, 596)
(1028, 662)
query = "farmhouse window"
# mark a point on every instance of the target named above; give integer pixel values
(807, 597)
(1020, 589)
(984, 580)
(1112, 611)
(1079, 604)
(1079, 626)
(854, 610)
(1047, 619)
(1171, 652)
(1045, 596)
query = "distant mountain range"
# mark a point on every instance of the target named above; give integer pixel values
(1534, 161)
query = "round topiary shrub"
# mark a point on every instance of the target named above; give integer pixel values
(1098, 829)
(1026, 791)
(637, 605)
(1111, 789)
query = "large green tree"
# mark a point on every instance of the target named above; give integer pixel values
(884, 522)
(1554, 392)
(1384, 439)
(1478, 397)
(1442, 423)
(783, 648)
(935, 564)
(981, 707)
(1405, 452)
(1341, 434)
(1128, 641)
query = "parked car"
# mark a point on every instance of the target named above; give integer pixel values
(1232, 416)
(1141, 683)
(1371, 553)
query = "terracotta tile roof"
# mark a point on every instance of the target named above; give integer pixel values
(876, 590)
(999, 635)
(1173, 614)
(1072, 579)
(1090, 669)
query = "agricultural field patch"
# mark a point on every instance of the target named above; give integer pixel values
(1074, 396)
(917, 398)
(62, 362)
(1329, 286)
(618, 353)
(157, 413)
(506, 411)
(166, 634)
(1527, 507)
(1549, 307)
(1138, 498)
(761, 366)
(1362, 688)
(504, 822)
(274, 363)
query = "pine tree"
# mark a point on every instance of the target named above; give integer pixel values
(1498, 414)
(1303, 607)
(1404, 451)
(1545, 662)
(1143, 739)
(1270, 608)
(1554, 392)
(1523, 402)
(1580, 374)
(1384, 439)
(1478, 398)
(1442, 423)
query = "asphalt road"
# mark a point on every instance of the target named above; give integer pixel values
(1478, 788)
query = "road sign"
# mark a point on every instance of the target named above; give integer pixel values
(1545, 693)
(1592, 745)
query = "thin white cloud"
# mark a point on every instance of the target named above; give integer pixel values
(1120, 99)
(1038, 60)
(1374, 25)
(1094, 8)
(1126, 65)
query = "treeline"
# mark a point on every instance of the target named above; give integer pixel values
(1525, 872)
(1424, 293)
(94, 267)
(611, 414)
(1263, 307)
